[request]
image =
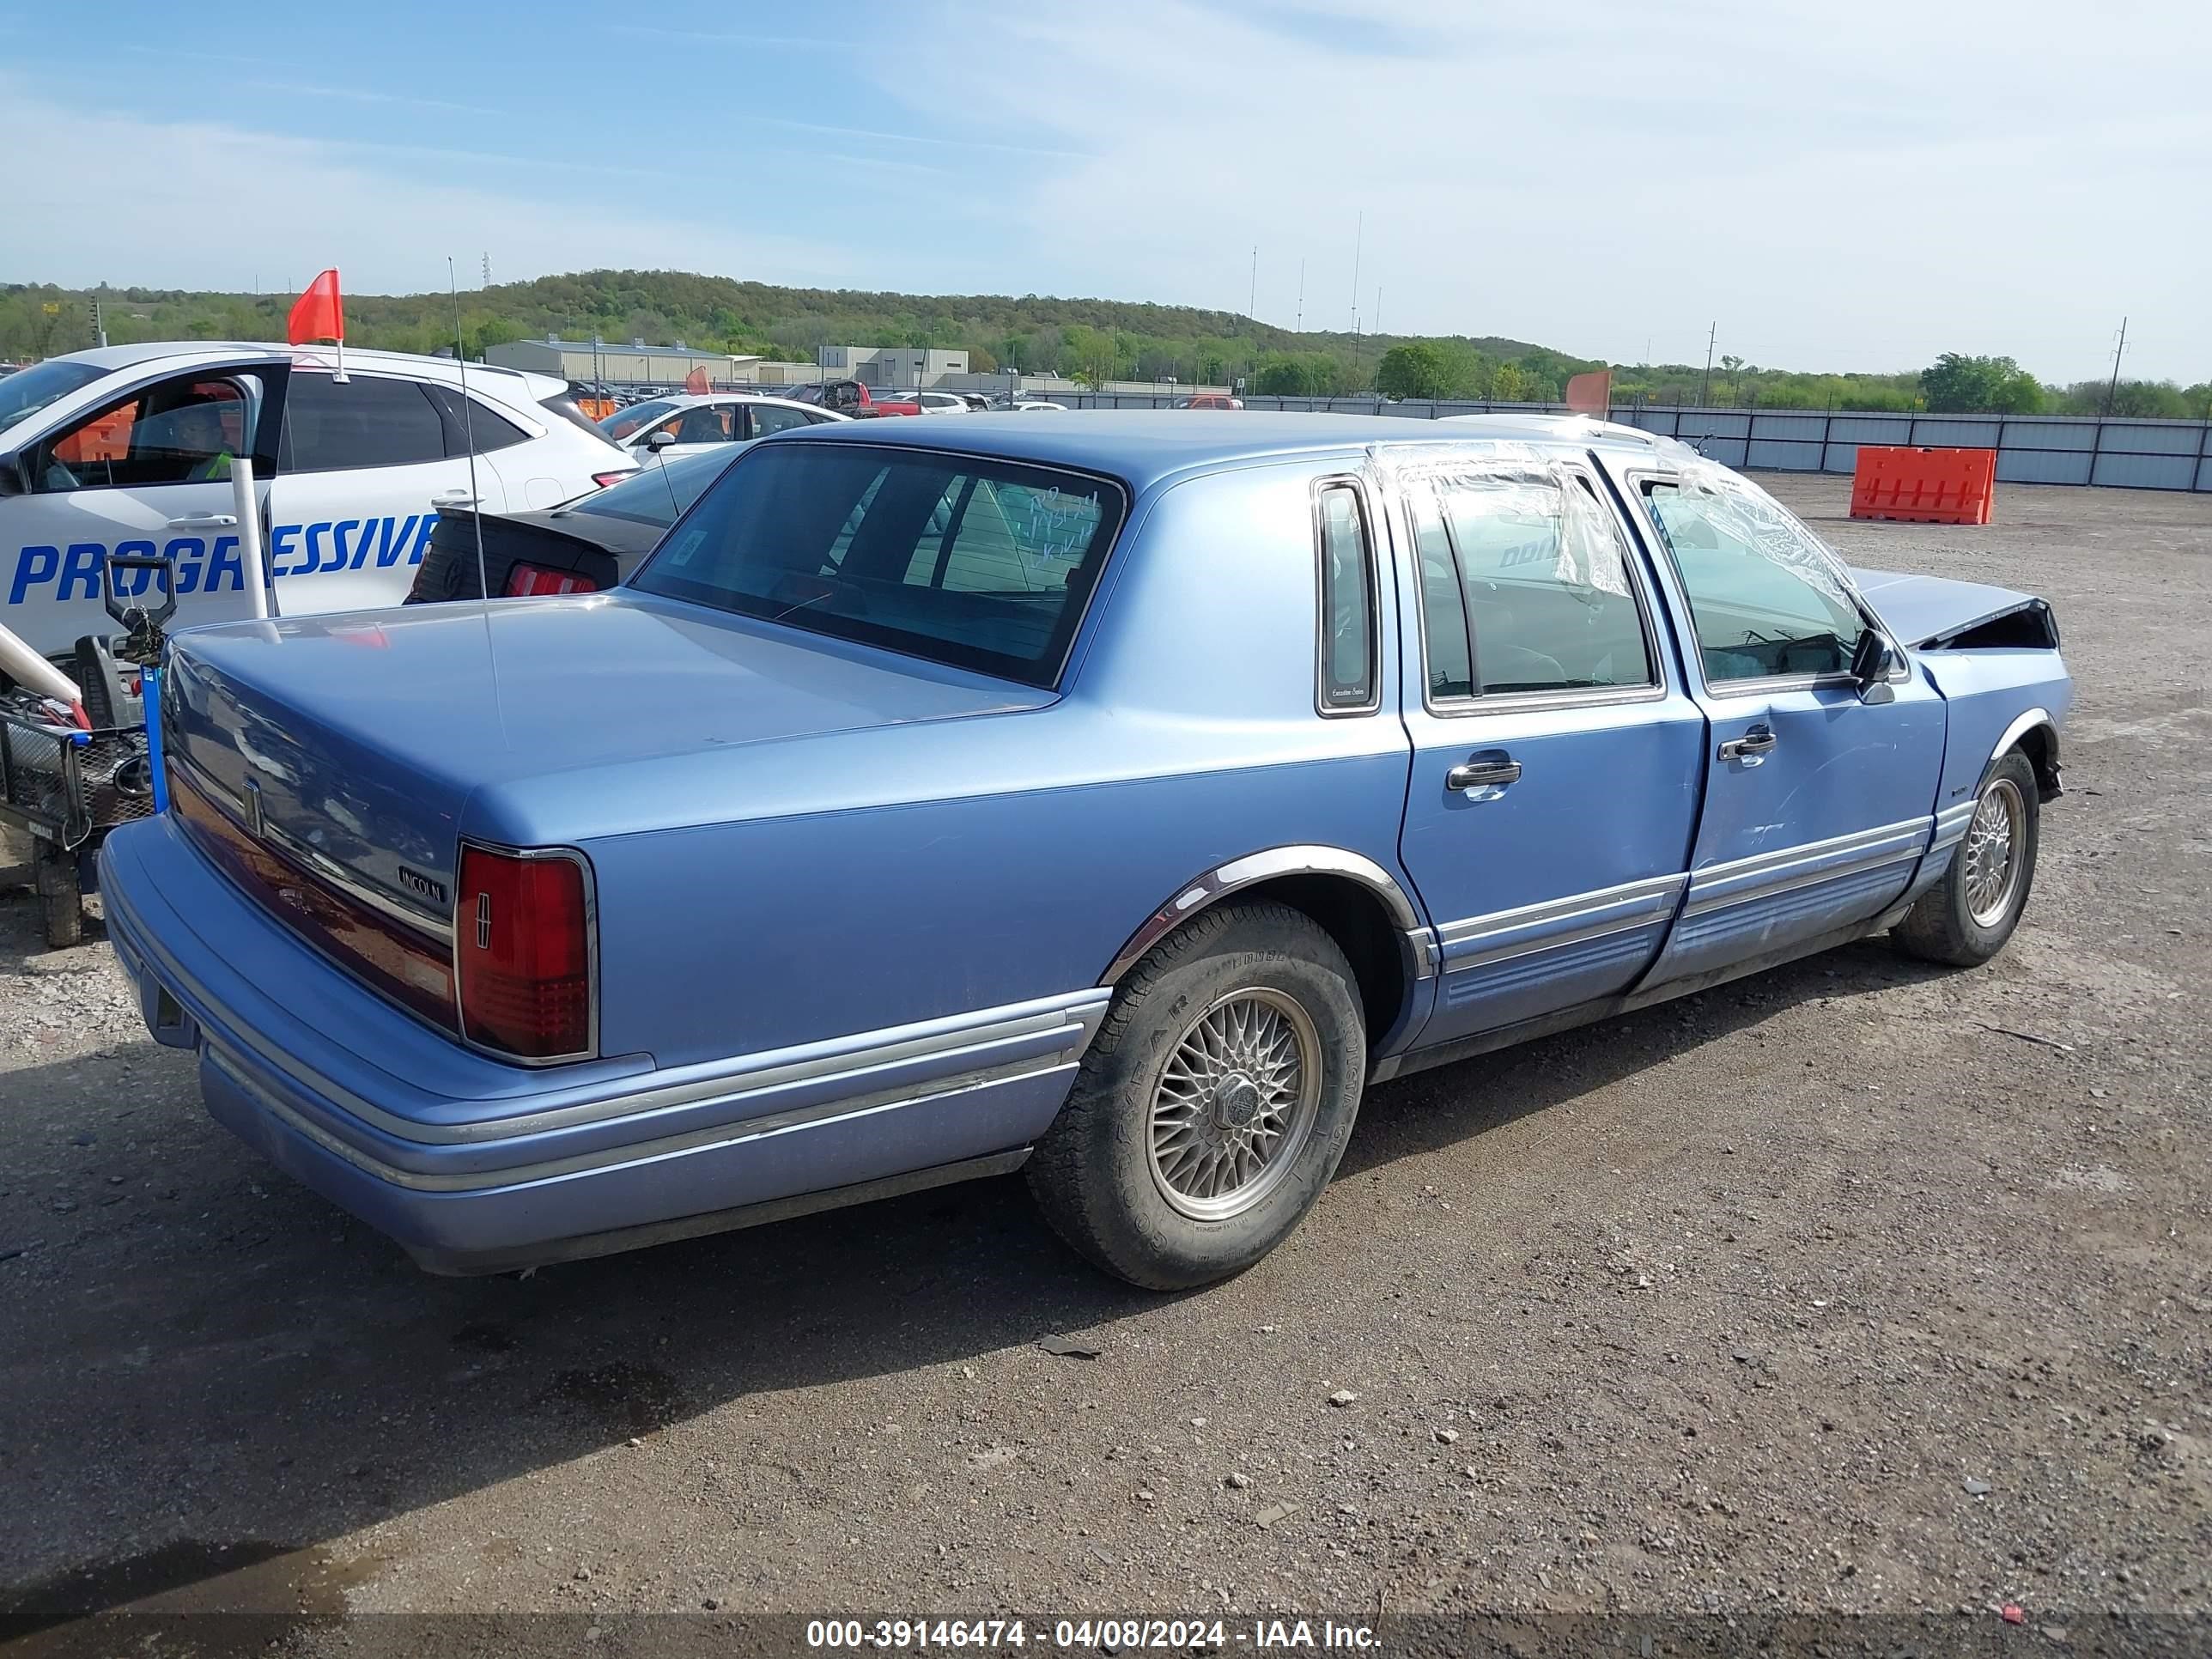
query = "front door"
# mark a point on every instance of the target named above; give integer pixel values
(1818, 792)
(147, 473)
(1553, 788)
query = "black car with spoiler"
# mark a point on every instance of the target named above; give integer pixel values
(583, 545)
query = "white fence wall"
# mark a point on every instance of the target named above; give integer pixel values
(2065, 449)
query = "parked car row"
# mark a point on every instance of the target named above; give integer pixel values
(903, 801)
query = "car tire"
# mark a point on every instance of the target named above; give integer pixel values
(1966, 918)
(1213, 1104)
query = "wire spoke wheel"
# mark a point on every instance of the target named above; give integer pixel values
(1993, 852)
(1235, 1101)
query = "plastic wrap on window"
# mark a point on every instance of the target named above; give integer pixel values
(1519, 481)
(1754, 518)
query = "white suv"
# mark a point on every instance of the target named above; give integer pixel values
(127, 450)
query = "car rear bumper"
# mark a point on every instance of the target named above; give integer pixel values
(473, 1166)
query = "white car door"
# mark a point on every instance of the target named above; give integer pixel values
(364, 466)
(145, 473)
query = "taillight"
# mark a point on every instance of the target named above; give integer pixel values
(525, 580)
(603, 479)
(522, 936)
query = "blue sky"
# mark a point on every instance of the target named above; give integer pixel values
(1849, 188)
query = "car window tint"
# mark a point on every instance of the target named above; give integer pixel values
(624, 422)
(1766, 597)
(1545, 574)
(1443, 610)
(482, 428)
(182, 431)
(1347, 653)
(370, 420)
(976, 562)
(768, 419)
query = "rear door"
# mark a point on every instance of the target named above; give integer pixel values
(364, 465)
(146, 472)
(1553, 788)
(1818, 800)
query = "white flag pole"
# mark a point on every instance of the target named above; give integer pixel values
(247, 507)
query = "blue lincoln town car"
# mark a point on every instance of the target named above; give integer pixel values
(1115, 797)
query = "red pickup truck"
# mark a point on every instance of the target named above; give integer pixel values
(854, 399)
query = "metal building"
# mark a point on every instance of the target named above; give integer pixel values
(633, 362)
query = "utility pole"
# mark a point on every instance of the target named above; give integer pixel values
(1378, 310)
(1252, 305)
(2112, 391)
(1714, 335)
(1358, 236)
(487, 268)
(1299, 326)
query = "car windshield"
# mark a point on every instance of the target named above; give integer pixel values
(660, 492)
(969, 561)
(624, 422)
(30, 390)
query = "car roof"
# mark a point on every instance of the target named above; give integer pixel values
(1145, 446)
(186, 353)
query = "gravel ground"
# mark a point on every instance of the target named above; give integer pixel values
(1857, 1287)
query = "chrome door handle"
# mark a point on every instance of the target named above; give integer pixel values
(1751, 748)
(1483, 775)
(454, 498)
(204, 521)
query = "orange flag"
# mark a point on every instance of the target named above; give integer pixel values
(319, 314)
(1591, 393)
(696, 380)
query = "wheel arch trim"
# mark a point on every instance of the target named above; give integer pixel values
(1208, 889)
(2020, 728)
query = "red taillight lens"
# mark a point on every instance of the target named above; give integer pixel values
(525, 580)
(522, 940)
(603, 479)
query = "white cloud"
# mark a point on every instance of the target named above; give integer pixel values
(100, 196)
(1853, 186)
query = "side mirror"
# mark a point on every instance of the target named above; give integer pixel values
(12, 480)
(660, 440)
(1872, 663)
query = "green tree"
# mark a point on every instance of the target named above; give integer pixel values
(1417, 368)
(1509, 384)
(1955, 383)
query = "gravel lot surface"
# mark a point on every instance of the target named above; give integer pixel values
(1859, 1287)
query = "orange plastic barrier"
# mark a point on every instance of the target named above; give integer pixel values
(597, 409)
(1925, 486)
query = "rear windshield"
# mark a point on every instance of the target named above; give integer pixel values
(966, 560)
(30, 390)
(659, 491)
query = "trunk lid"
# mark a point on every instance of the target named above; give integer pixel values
(351, 744)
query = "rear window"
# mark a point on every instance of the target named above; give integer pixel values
(659, 492)
(965, 560)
